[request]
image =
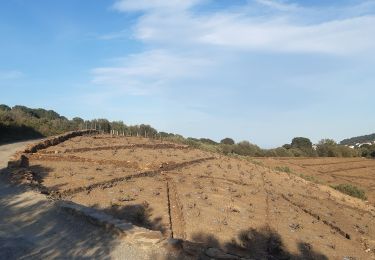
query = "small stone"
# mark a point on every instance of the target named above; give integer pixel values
(295, 226)
(127, 198)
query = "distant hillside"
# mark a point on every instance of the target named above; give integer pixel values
(22, 123)
(358, 139)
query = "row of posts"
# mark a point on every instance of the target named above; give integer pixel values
(114, 132)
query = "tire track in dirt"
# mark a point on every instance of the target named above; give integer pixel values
(348, 169)
(115, 181)
(294, 158)
(358, 210)
(176, 216)
(331, 163)
(317, 217)
(348, 180)
(73, 158)
(318, 172)
(353, 176)
(226, 180)
(118, 147)
(281, 160)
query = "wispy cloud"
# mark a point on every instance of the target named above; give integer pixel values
(147, 5)
(340, 37)
(144, 73)
(282, 6)
(273, 31)
(181, 40)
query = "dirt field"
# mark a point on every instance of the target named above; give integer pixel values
(237, 205)
(331, 171)
(33, 227)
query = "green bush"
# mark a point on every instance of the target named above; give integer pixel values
(351, 190)
(248, 149)
(227, 140)
(309, 178)
(278, 152)
(283, 169)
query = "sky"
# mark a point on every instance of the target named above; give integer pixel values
(259, 70)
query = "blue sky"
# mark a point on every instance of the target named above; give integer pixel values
(258, 70)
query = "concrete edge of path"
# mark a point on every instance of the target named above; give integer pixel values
(125, 230)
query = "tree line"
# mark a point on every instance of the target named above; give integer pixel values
(299, 147)
(21, 122)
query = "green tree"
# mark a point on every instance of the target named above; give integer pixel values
(247, 148)
(302, 146)
(301, 143)
(227, 140)
(4, 107)
(327, 148)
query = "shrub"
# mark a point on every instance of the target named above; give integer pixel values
(283, 169)
(301, 143)
(227, 140)
(351, 190)
(278, 152)
(207, 141)
(309, 178)
(296, 152)
(256, 162)
(246, 148)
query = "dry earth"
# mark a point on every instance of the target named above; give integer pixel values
(331, 171)
(206, 199)
(32, 227)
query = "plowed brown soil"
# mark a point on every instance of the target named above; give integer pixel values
(331, 171)
(243, 207)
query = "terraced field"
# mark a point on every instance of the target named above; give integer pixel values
(359, 172)
(209, 200)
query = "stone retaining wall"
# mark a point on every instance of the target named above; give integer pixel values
(126, 230)
(20, 160)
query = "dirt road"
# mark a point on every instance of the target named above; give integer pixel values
(32, 227)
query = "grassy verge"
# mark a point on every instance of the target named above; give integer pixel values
(309, 178)
(351, 190)
(286, 169)
(283, 169)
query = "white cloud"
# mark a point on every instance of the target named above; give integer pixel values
(144, 73)
(184, 44)
(147, 5)
(343, 37)
(282, 6)
(242, 29)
